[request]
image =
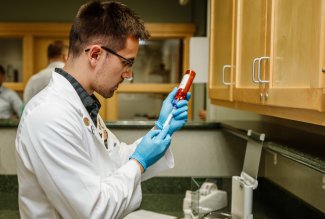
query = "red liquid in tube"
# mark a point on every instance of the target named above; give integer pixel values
(183, 88)
(185, 85)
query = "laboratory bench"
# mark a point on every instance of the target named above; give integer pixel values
(300, 150)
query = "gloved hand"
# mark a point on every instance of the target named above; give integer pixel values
(152, 147)
(179, 115)
(166, 108)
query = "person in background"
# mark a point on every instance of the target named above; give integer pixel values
(57, 54)
(69, 165)
(10, 103)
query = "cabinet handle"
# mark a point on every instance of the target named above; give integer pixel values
(253, 71)
(223, 75)
(261, 96)
(259, 69)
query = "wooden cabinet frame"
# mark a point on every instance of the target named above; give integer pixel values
(28, 32)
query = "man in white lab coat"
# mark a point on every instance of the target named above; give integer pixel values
(69, 164)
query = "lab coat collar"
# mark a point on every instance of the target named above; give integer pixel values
(64, 88)
(56, 64)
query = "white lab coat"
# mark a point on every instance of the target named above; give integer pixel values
(64, 169)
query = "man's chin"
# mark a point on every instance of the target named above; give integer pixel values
(109, 95)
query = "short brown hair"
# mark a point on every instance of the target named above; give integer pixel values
(55, 49)
(110, 21)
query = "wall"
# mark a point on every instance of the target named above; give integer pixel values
(163, 11)
(7, 151)
(219, 113)
(198, 153)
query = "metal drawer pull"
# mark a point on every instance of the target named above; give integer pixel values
(259, 69)
(223, 75)
(253, 71)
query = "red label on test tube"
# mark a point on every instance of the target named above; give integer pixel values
(183, 88)
(185, 85)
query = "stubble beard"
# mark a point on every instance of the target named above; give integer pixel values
(104, 91)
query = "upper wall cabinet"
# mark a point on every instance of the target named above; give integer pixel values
(278, 57)
(293, 74)
(252, 44)
(222, 49)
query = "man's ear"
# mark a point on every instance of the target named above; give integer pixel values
(94, 54)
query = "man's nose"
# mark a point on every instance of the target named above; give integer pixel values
(128, 75)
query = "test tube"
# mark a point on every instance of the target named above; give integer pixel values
(183, 88)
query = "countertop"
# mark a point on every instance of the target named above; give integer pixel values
(150, 124)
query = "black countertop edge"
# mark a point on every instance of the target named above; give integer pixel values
(149, 124)
(9, 123)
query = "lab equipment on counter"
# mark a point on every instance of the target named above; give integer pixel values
(242, 188)
(183, 88)
(210, 198)
(243, 185)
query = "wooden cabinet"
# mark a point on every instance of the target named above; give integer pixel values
(252, 43)
(297, 55)
(222, 49)
(279, 56)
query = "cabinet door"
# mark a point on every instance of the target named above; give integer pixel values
(296, 78)
(253, 30)
(222, 47)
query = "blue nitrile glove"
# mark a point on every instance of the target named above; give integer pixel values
(179, 115)
(152, 147)
(166, 108)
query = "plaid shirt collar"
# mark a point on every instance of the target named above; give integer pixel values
(90, 102)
